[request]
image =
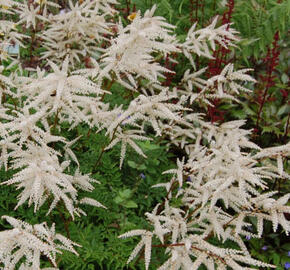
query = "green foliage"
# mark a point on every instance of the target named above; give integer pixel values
(258, 21)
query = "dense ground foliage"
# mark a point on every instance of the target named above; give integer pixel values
(71, 128)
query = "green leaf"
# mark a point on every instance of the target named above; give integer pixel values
(148, 146)
(286, 246)
(156, 162)
(141, 167)
(241, 114)
(276, 258)
(167, 6)
(180, 7)
(125, 194)
(130, 204)
(132, 164)
(90, 267)
(270, 129)
(176, 202)
(248, 110)
(118, 200)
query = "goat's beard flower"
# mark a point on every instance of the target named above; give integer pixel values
(130, 53)
(30, 242)
(77, 32)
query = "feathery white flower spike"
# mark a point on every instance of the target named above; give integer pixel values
(146, 241)
(29, 242)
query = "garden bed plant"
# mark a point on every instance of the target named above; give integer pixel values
(144, 134)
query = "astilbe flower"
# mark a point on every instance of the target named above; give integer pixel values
(225, 85)
(219, 172)
(29, 13)
(43, 176)
(181, 134)
(278, 153)
(127, 137)
(70, 96)
(77, 32)
(5, 6)
(153, 110)
(30, 242)
(23, 127)
(222, 176)
(130, 53)
(24, 145)
(197, 40)
(150, 108)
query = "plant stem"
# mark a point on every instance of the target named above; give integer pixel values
(55, 120)
(261, 107)
(65, 221)
(107, 88)
(103, 151)
(173, 185)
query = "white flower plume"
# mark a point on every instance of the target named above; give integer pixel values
(131, 51)
(30, 242)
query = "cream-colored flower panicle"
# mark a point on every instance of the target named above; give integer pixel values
(26, 243)
(215, 177)
(76, 32)
(131, 51)
(201, 42)
(70, 96)
(146, 240)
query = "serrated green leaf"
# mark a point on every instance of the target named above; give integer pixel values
(141, 167)
(240, 114)
(130, 204)
(125, 194)
(132, 164)
(118, 200)
(276, 258)
(249, 110)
